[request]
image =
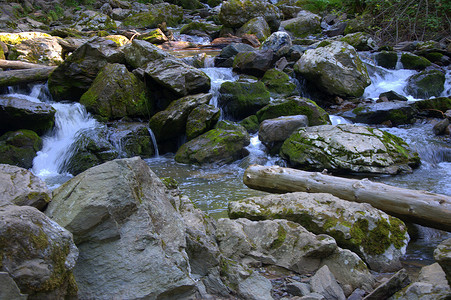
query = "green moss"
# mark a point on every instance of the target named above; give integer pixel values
(414, 62)
(170, 183)
(323, 44)
(251, 124)
(281, 236)
(40, 240)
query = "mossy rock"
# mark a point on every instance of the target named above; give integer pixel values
(203, 118)
(120, 40)
(19, 148)
(250, 123)
(360, 41)
(157, 14)
(16, 38)
(256, 26)
(187, 4)
(414, 62)
(433, 105)
(279, 83)
(197, 28)
(387, 59)
(295, 106)
(155, 37)
(426, 84)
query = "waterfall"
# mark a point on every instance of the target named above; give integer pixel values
(218, 76)
(154, 142)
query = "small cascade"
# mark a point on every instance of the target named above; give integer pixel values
(218, 76)
(335, 120)
(447, 90)
(154, 142)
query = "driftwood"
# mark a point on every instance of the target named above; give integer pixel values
(420, 207)
(14, 77)
(17, 64)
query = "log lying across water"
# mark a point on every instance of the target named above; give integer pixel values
(420, 207)
(17, 64)
(14, 77)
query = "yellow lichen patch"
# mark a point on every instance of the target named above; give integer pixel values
(120, 40)
(16, 38)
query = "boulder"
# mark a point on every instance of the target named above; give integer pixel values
(169, 124)
(19, 148)
(127, 230)
(250, 123)
(227, 55)
(21, 187)
(304, 24)
(360, 41)
(414, 62)
(94, 20)
(255, 287)
(222, 145)
(295, 106)
(240, 99)
(348, 148)
(235, 13)
(379, 239)
(254, 63)
(279, 42)
(335, 68)
(387, 59)
(426, 84)
(279, 84)
(392, 95)
(395, 112)
(430, 106)
(201, 29)
(37, 253)
(324, 283)
(442, 255)
(43, 50)
(201, 119)
(74, 77)
(120, 40)
(132, 139)
(139, 53)
(117, 93)
(18, 113)
(157, 14)
(392, 284)
(155, 36)
(257, 26)
(9, 289)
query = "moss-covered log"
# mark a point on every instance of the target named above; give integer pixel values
(421, 207)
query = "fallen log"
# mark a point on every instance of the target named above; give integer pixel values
(420, 207)
(18, 65)
(14, 77)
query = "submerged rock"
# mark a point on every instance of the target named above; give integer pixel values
(132, 139)
(19, 148)
(348, 148)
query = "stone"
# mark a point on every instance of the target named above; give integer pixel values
(201, 119)
(440, 127)
(298, 288)
(360, 41)
(279, 42)
(257, 26)
(117, 93)
(9, 289)
(348, 148)
(279, 84)
(442, 255)
(426, 84)
(304, 24)
(139, 53)
(120, 40)
(255, 287)
(155, 36)
(132, 139)
(21, 187)
(37, 253)
(380, 240)
(201, 29)
(254, 63)
(324, 283)
(18, 113)
(156, 14)
(397, 112)
(393, 284)
(335, 68)
(392, 95)
(19, 148)
(43, 50)
(414, 62)
(16, 38)
(227, 55)
(250, 123)
(387, 59)
(94, 20)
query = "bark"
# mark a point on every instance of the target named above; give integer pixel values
(421, 207)
(17, 64)
(14, 77)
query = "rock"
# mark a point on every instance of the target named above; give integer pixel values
(426, 84)
(430, 106)
(442, 255)
(294, 106)
(254, 63)
(257, 26)
(201, 119)
(235, 13)
(157, 14)
(241, 99)
(21, 187)
(221, 145)
(279, 84)
(139, 53)
(94, 20)
(348, 148)
(440, 127)
(132, 139)
(19, 148)
(119, 14)
(9, 289)
(250, 123)
(227, 55)
(380, 240)
(201, 29)
(360, 41)
(90, 149)
(16, 38)
(273, 242)
(298, 288)
(74, 77)
(127, 230)
(393, 284)
(154, 37)
(37, 253)
(169, 124)
(117, 93)
(414, 62)
(17, 113)
(392, 95)
(304, 24)
(44, 50)
(120, 40)
(336, 29)
(396, 112)
(387, 59)
(279, 42)
(335, 68)
(324, 283)
(255, 287)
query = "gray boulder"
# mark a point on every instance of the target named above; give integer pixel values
(227, 55)
(9, 289)
(279, 84)
(387, 59)
(380, 240)
(279, 42)
(442, 254)
(335, 68)
(426, 84)
(304, 24)
(348, 148)
(21, 187)
(94, 20)
(257, 26)
(392, 284)
(19, 148)
(139, 53)
(201, 119)
(255, 287)
(254, 63)
(37, 253)
(324, 283)
(360, 41)
(41, 50)
(132, 139)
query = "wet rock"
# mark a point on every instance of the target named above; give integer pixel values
(250, 123)
(429, 107)
(393, 284)
(236, 13)
(279, 42)
(294, 106)
(254, 63)
(440, 127)
(335, 68)
(380, 240)
(257, 26)
(19, 148)
(227, 55)
(255, 287)
(305, 23)
(360, 41)
(395, 112)
(94, 20)
(336, 29)
(139, 53)
(414, 62)
(44, 50)
(278, 83)
(9, 289)
(324, 283)
(132, 139)
(157, 14)
(74, 77)
(442, 255)
(21, 187)
(201, 29)
(17, 113)
(392, 95)
(241, 99)
(426, 84)
(222, 145)
(201, 119)
(348, 148)
(298, 289)
(387, 59)
(117, 93)
(154, 37)
(37, 253)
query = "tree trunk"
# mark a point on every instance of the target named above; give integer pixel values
(14, 77)
(17, 64)
(421, 207)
